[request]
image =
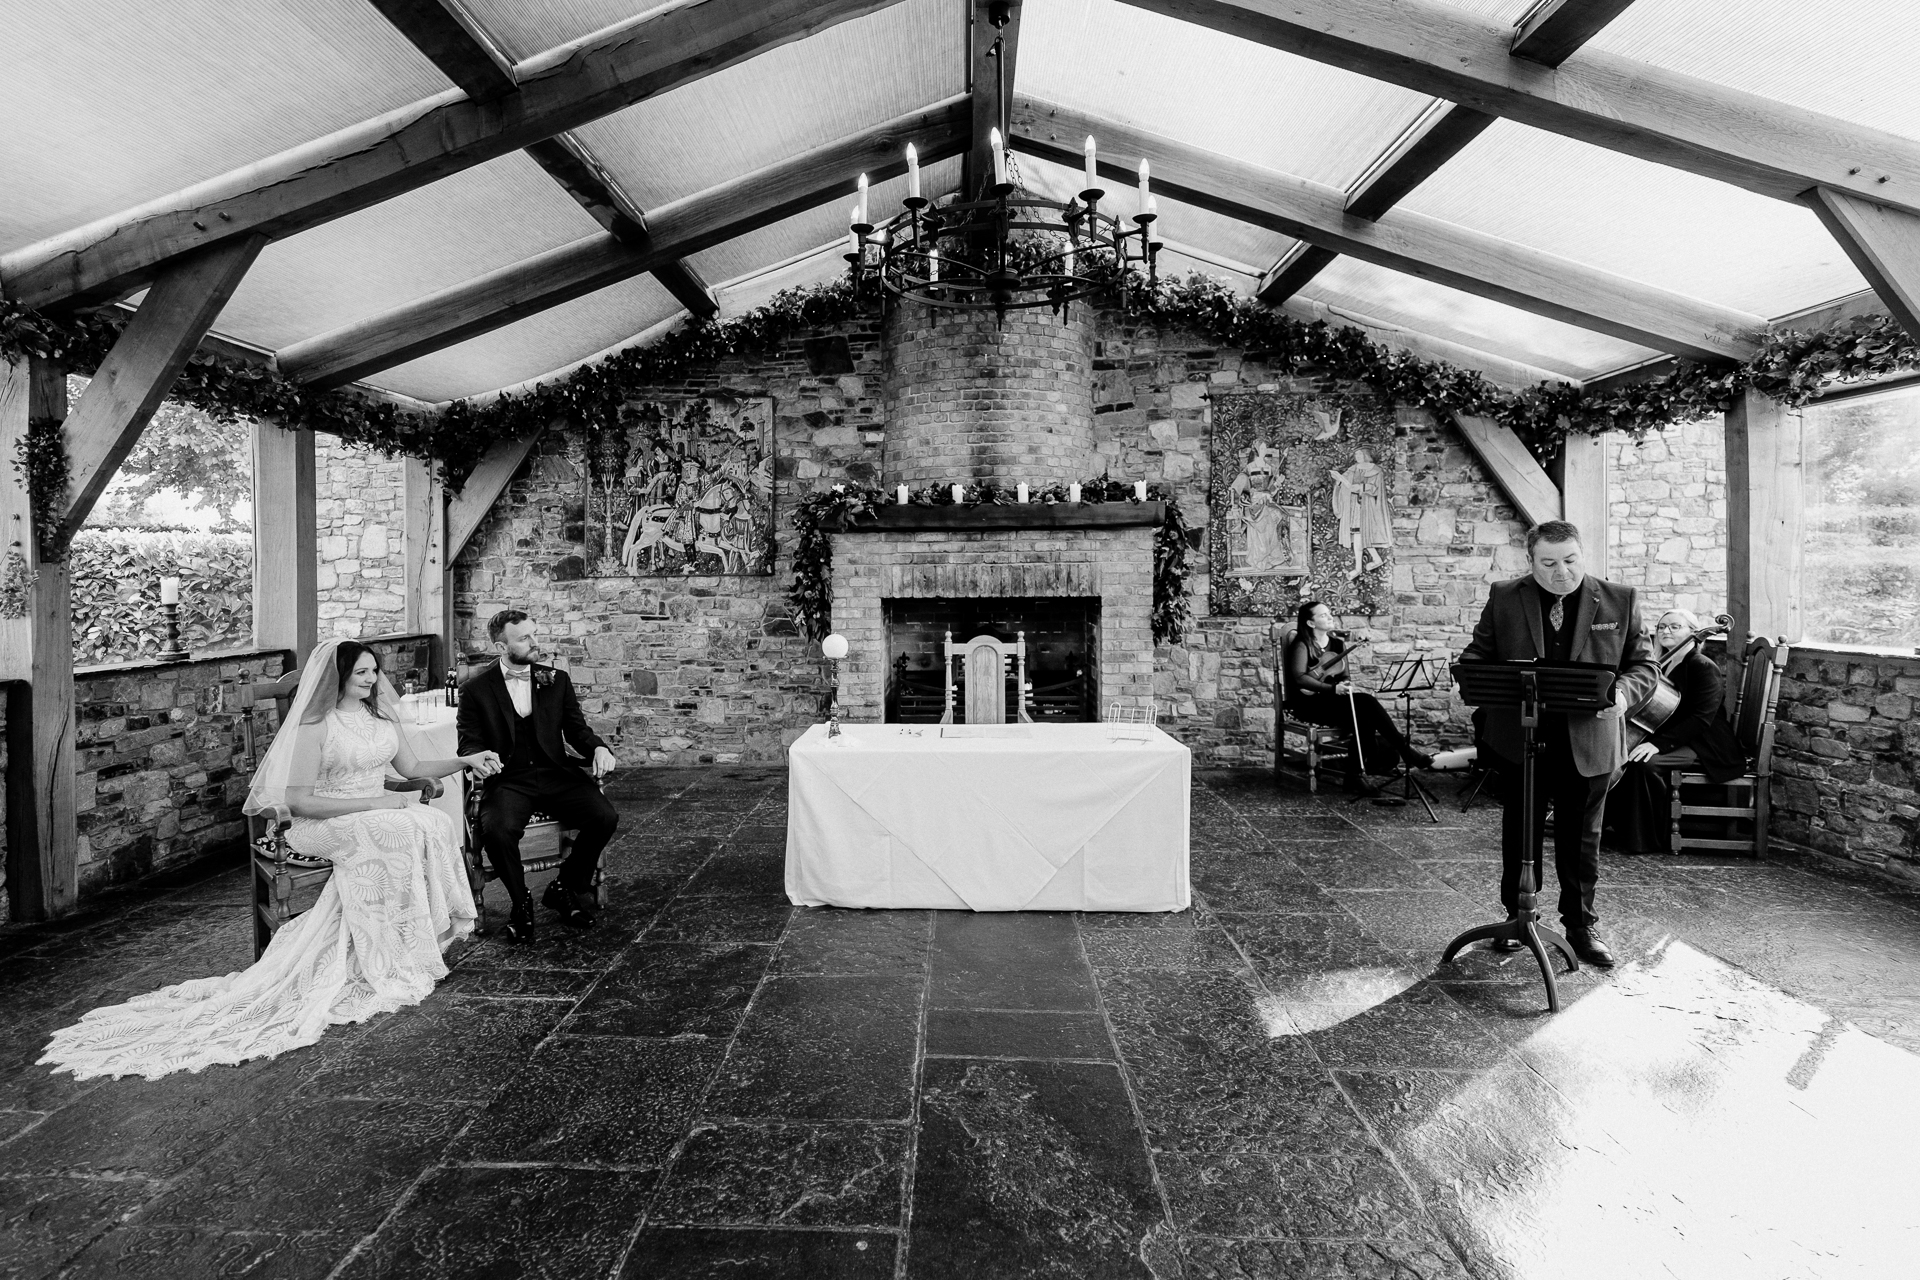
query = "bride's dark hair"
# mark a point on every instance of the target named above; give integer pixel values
(346, 656)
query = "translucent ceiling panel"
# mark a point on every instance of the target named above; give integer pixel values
(105, 104)
(461, 227)
(534, 346)
(1640, 220)
(1475, 322)
(1211, 90)
(523, 28)
(785, 101)
(1848, 58)
(823, 263)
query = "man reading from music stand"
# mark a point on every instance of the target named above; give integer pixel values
(1559, 614)
(526, 711)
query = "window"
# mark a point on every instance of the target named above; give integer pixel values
(1861, 580)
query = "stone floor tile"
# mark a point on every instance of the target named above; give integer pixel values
(740, 874)
(1260, 883)
(1203, 1102)
(1017, 1033)
(825, 1048)
(720, 1253)
(530, 1221)
(1160, 1012)
(46, 1219)
(1349, 1195)
(673, 989)
(594, 1100)
(721, 920)
(1417, 1027)
(1418, 921)
(323, 1164)
(566, 985)
(787, 1175)
(1200, 948)
(1097, 920)
(1419, 1259)
(1036, 1161)
(1320, 946)
(822, 940)
(446, 1049)
(1361, 865)
(210, 1251)
(1009, 960)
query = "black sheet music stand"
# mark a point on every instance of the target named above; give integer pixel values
(1533, 687)
(1409, 676)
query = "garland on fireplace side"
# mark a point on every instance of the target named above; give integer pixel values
(820, 515)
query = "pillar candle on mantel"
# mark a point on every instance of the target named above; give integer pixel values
(1140, 490)
(901, 495)
(959, 493)
(1021, 490)
(1073, 492)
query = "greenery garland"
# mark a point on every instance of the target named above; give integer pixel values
(821, 515)
(42, 458)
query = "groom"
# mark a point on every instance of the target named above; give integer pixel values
(526, 712)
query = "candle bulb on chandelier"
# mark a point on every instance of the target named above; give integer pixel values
(933, 266)
(999, 149)
(861, 208)
(913, 173)
(1093, 176)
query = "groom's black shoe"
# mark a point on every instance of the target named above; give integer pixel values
(567, 906)
(519, 928)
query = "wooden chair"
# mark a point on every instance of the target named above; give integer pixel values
(1753, 726)
(986, 664)
(1321, 744)
(543, 847)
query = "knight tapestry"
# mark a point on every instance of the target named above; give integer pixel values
(681, 487)
(1299, 504)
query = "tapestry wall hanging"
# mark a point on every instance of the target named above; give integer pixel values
(1299, 504)
(681, 487)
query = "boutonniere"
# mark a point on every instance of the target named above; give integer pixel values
(543, 677)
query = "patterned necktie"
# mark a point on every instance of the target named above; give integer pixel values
(1558, 614)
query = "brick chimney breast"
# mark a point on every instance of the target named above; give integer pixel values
(972, 399)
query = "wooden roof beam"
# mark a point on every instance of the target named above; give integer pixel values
(674, 231)
(990, 81)
(453, 42)
(1601, 98)
(1472, 261)
(562, 89)
(1547, 35)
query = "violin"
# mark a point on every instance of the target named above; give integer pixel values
(1647, 719)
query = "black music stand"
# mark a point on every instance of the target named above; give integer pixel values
(1533, 687)
(1409, 676)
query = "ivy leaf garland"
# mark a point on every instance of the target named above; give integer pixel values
(42, 458)
(821, 515)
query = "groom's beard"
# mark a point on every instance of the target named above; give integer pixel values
(532, 655)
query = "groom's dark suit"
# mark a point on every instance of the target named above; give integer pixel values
(537, 777)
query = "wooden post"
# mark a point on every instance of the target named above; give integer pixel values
(1583, 495)
(425, 551)
(36, 664)
(286, 552)
(1766, 519)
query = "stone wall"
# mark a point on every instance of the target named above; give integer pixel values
(1667, 529)
(161, 759)
(362, 540)
(1847, 759)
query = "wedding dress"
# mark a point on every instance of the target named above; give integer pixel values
(371, 944)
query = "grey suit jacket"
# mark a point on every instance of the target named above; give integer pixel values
(1606, 630)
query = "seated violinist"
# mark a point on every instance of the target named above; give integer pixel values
(1696, 735)
(1317, 690)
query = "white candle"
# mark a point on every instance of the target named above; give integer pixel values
(862, 209)
(913, 173)
(1140, 490)
(999, 156)
(853, 244)
(959, 493)
(169, 591)
(1153, 205)
(1143, 184)
(1068, 263)
(1093, 173)
(900, 495)
(1073, 492)
(1021, 490)
(933, 265)
(839, 488)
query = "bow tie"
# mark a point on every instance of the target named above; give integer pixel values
(516, 673)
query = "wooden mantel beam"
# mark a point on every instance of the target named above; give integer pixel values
(1426, 247)
(1601, 98)
(668, 46)
(674, 230)
(465, 54)
(1547, 35)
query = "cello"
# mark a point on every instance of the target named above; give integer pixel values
(1658, 707)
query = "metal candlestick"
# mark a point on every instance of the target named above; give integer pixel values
(833, 701)
(173, 652)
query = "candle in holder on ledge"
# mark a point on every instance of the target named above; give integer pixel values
(1021, 490)
(169, 591)
(1140, 490)
(959, 493)
(1073, 492)
(170, 606)
(901, 495)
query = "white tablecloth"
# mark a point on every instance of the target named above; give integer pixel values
(1042, 817)
(438, 739)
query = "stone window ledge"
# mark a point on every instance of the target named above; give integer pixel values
(1016, 515)
(1893, 653)
(194, 660)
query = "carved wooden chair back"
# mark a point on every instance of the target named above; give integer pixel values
(986, 660)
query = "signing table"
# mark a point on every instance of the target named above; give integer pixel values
(1029, 817)
(429, 727)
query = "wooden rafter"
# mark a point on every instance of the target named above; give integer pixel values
(661, 49)
(989, 77)
(458, 45)
(675, 230)
(1488, 266)
(467, 510)
(1601, 98)
(1548, 35)
(1884, 243)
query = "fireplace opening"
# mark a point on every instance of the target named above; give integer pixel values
(1063, 647)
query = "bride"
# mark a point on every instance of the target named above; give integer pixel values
(398, 896)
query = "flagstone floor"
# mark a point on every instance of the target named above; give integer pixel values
(1283, 1082)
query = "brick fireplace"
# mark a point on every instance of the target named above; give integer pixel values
(971, 400)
